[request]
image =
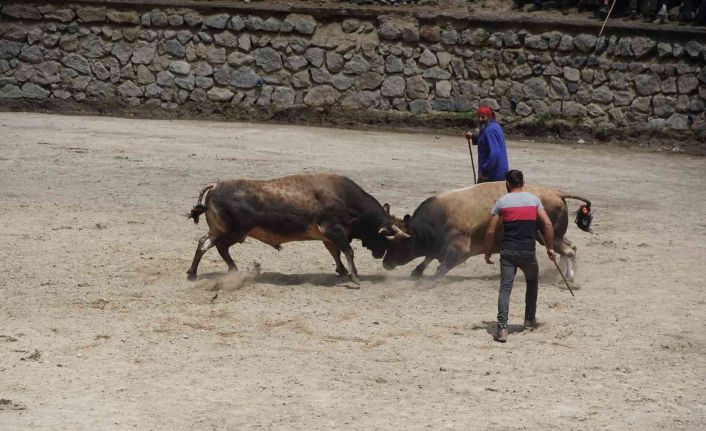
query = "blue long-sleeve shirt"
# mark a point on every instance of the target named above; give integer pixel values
(492, 154)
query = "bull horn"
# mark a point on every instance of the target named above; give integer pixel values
(399, 232)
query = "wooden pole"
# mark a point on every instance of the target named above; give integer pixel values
(606, 18)
(473, 163)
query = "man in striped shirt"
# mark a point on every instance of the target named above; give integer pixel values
(519, 211)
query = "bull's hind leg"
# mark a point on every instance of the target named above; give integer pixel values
(205, 242)
(223, 244)
(338, 237)
(336, 253)
(567, 262)
(225, 255)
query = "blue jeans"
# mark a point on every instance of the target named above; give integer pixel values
(510, 260)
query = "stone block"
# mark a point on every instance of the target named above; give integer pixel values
(315, 56)
(226, 38)
(342, 82)
(641, 46)
(76, 62)
(536, 42)
(305, 24)
(428, 58)
(430, 33)
(283, 97)
(647, 84)
(175, 48)
(144, 52)
(420, 106)
(678, 122)
(573, 110)
(268, 59)
(642, 104)
(244, 77)
(123, 17)
(180, 67)
(217, 21)
(687, 83)
(394, 86)
(449, 36)
(663, 106)
(368, 81)
(129, 89)
(436, 73)
(361, 100)
(356, 65)
(62, 15)
(535, 88)
(220, 94)
(321, 95)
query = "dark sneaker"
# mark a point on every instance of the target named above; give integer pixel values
(530, 323)
(501, 334)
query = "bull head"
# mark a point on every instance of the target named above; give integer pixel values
(397, 231)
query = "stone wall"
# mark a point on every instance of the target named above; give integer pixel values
(259, 63)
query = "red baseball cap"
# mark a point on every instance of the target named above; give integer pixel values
(485, 111)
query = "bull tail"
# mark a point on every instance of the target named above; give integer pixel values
(565, 196)
(200, 207)
(584, 216)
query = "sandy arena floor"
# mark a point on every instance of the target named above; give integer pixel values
(99, 329)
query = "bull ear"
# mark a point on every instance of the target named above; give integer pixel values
(406, 218)
(386, 207)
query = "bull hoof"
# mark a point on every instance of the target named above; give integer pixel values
(355, 279)
(190, 276)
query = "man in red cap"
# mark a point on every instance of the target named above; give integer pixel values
(492, 154)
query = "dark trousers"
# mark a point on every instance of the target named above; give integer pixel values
(509, 262)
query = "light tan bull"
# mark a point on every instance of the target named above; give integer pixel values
(450, 228)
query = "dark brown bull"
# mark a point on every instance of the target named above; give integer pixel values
(321, 206)
(450, 228)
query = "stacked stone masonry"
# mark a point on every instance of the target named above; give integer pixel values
(162, 58)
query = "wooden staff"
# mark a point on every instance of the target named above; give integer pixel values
(541, 237)
(606, 18)
(473, 163)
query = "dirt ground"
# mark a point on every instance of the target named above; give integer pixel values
(99, 328)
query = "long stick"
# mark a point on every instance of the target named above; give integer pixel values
(541, 237)
(564, 278)
(606, 18)
(473, 163)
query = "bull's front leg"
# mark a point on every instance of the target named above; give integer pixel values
(457, 251)
(337, 235)
(419, 270)
(336, 253)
